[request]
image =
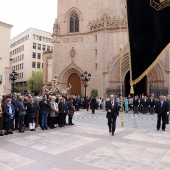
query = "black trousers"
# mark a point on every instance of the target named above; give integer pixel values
(112, 124)
(51, 121)
(163, 117)
(61, 119)
(16, 120)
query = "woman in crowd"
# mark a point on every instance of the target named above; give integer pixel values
(44, 111)
(70, 111)
(26, 116)
(61, 112)
(126, 104)
(53, 112)
(65, 111)
(1, 118)
(31, 114)
(9, 117)
(21, 112)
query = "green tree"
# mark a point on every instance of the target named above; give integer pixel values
(37, 79)
(94, 93)
(16, 90)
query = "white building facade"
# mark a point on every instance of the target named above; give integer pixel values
(27, 53)
(5, 32)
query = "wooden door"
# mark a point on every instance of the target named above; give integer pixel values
(75, 82)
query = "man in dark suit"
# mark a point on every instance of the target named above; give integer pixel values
(135, 104)
(15, 103)
(168, 105)
(161, 109)
(152, 104)
(112, 108)
(145, 105)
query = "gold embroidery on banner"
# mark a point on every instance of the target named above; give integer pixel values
(152, 65)
(159, 4)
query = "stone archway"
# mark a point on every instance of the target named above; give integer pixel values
(74, 80)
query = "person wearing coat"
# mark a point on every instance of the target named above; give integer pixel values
(126, 103)
(21, 112)
(65, 111)
(135, 104)
(44, 110)
(112, 108)
(71, 110)
(161, 109)
(31, 114)
(61, 112)
(93, 104)
(9, 117)
(53, 112)
(152, 105)
(145, 103)
(1, 117)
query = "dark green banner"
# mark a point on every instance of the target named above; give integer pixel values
(149, 32)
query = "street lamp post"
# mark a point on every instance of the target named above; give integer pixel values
(85, 77)
(13, 77)
(32, 85)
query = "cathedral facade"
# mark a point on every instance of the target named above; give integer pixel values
(87, 36)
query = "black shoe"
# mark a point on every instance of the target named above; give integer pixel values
(110, 131)
(46, 128)
(163, 129)
(1, 134)
(6, 133)
(21, 131)
(157, 129)
(10, 132)
(51, 127)
(72, 124)
(42, 128)
(113, 134)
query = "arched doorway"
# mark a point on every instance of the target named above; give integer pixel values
(74, 80)
(139, 88)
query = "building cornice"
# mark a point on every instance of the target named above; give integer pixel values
(6, 25)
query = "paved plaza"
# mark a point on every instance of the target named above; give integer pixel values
(88, 145)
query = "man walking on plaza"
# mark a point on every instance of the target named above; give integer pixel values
(112, 108)
(161, 109)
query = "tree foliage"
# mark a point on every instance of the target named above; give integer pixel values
(16, 90)
(37, 79)
(94, 93)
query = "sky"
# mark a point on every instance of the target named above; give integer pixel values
(23, 14)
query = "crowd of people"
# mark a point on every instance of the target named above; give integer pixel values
(18, 112)
(144, 104)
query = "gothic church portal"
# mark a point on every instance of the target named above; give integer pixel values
(87, 37)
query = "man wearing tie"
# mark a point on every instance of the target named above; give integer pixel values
(112, 108)
(161, 109)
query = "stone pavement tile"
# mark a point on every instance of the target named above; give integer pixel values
(13, 160)
(53, 142)
(148, 158)
(112, 156)
(135, 166)
(164, 138)
(166, 157)
(5, 167)
(156, 150)
(162, 166)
